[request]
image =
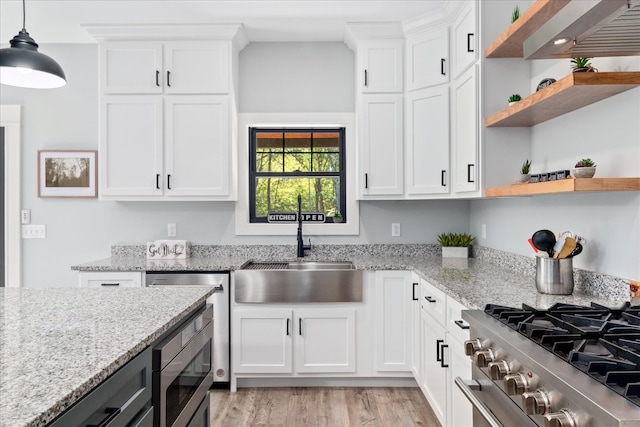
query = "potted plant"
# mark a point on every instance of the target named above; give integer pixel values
(337, 216)
(524, 171)
(455, 245)
(585, 168)
(515, 14)
(581, 65)
(514, 98)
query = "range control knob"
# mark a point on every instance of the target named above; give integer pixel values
(536, 402)
(515, 383)
(471, 346)
(498, 369)
(483, 357)
(562, 418)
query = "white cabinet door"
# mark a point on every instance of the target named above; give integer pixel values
(131, 158)
(465, 38)
(325, 340)
(131, 67)
(459, 409)
(427, 142)
(428, 59)
(261, 341)
(416, 336)
(465, 132)
(197, 146)
(434, 375)
(433, 301)
(381, 137)
(110, 279)
(393, 303)
(381, 63)
(197, 67)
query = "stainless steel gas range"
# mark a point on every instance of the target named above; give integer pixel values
(568, 366)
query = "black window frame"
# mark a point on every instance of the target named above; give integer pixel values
(253, 174)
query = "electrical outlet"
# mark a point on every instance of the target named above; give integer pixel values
(25, 216)
(484, 231)
(34, 231)
(171, 230)
(395, 229)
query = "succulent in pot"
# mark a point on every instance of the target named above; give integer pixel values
(455, 245)
(524, 171)
(514, 98)
(515, 14)
(581, 64)
(584, 168)
(337, 216)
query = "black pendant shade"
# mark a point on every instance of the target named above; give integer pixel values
(23, 66)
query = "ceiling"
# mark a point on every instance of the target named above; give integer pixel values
(53, 21)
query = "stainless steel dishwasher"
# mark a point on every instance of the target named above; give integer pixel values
(220, 302)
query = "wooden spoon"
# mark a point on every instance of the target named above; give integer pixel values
(569, 246)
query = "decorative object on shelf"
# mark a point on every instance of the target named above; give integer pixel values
(64, 173)
(169, 249)
(23, 66)
(524, 171)
(515, 14)
(550, 176)
(455, 245)
(545, 82)
(585, 168)
(337, 217)
(514, 98)
(581, 65)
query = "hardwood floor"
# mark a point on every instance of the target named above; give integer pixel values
(321, 407)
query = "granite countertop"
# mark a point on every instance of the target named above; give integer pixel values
(493, 277)
(58, 344)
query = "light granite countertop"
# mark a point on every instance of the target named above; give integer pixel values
(57, 344)
(492, 277)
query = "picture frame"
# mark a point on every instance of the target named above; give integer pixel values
(68, 173)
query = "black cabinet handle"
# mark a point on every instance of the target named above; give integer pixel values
(438, 357)
(300, 326)
(442, 347)
(169, 78)
(414, 297)
(442, 61)
(111, 414)
(444, 184)
(366, 80)
(157, 181)
(157, 78)
(168, 181)
(366, 180)
(109, 284)
(430, 299)
(469, 166)
(469, 47)
(460, 324)
(287, 330)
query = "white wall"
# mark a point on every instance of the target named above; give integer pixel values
(83, 230)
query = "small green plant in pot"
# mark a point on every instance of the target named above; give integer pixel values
(581, 65)
(515, 14)
(514, 98)
(455, 245)
(337, 217)
(584, 168)
(524, 171)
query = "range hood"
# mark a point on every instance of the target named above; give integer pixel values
(591, 28)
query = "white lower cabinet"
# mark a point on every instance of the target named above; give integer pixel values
(113, 279)
(416, 339)
(271, 340)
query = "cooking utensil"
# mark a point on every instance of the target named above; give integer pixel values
(576, 251)
(558, 246)
(532, 245)
(567, 249)
(544, 240)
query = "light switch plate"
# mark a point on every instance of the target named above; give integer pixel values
(25, 216)
(34, 231)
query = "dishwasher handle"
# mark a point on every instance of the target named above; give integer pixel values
(467, 387)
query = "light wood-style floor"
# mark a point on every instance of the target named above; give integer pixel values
(321, 407)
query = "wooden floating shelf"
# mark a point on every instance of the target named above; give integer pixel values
(568, 94)
(568, 185)
(509, 44)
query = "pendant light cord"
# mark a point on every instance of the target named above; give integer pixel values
(24, 16)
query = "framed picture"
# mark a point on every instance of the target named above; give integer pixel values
(63, 173)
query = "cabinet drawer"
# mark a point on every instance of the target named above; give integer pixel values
(125, 279)
(455, 325)
(433, 301)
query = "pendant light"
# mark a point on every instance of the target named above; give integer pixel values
(23, 66)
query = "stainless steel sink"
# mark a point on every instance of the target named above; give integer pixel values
(291, 282)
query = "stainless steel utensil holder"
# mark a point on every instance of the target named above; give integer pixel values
(554, 276)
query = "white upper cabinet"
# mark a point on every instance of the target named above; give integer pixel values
(381, 141)
(465, 38)
(427, 142)
(427, 56)
(380, 66)
(133, 67)
(465, 133)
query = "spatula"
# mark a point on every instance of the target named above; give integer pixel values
(569, 246)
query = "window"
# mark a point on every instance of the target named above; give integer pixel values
(285, 163)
